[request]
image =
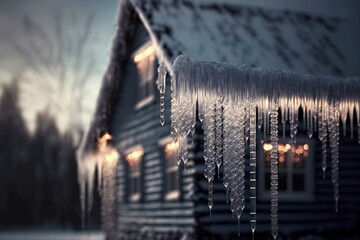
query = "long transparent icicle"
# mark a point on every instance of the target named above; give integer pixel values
(185, 125)
(294, 121)
(310, 129)
(283, 122)
(274, 169)
(81, 165)
(227, 149)
(174, 110)
(247, 122)
(209, 150)
(253, 168)
(334, 144)
(162, 86)
(99, 165)
(237, 183)
(219, 134)
(323, 138)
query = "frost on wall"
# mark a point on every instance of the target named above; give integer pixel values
(233, 101)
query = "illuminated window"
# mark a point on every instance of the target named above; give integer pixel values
(134, 159)
(171, 181)
(144, 60)
(295, 176)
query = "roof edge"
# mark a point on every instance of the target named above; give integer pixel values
(161, 54)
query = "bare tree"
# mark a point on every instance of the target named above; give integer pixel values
(54, 61)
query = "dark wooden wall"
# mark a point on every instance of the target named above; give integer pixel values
(153, 214)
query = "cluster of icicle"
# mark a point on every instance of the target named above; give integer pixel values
(232, 102)
(104, 161)
(86, 171)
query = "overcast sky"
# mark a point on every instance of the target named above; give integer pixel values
(12, 15)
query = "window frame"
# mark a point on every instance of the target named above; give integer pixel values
(173, 194)
(308, 195)
(134, 196)
(141, 83)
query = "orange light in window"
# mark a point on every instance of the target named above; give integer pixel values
(171, 148)
(149, 51)
(102, 141)
(112, 155)
(267, 146)
(282, 158)
(134, 156)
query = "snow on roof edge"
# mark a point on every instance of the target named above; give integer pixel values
(82, 150)
(162, 56)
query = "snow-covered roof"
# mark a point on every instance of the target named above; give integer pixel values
(227, 31)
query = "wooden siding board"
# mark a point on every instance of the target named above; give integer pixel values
(293, 216)
(131, 127)
(142, 126)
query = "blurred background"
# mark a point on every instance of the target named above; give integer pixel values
(52, 57)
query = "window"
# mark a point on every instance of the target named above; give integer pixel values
(295, 174)
(144, 59)
(134, 158)
(171, 181)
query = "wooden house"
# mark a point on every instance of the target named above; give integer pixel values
(154, 199)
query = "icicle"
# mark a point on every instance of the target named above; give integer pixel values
(351, 116)
(309, 123)
(343, 115)
(209, 149)
(294, 121)
(305, 112)
(237, 183)
(316, 116)
(174, 110)
(266, 123)
(274, 170)
(99, 165)
(247, 122)
(334, 144)
(323, 137)
(260, 117)
(253, 167)
(82, 187)
(182, 151)
(283, 120)
(210, 196)
(205, 82)
(90, 185)
(162, 86)
(219, 134)
(228, 140)
(185, 124)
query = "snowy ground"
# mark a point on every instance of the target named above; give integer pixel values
(51, 236)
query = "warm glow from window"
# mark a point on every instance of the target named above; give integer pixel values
(267, 146)
(102, 141)
(144, 59)
(281, 147)
(111, 155)
(297, 153)
(148, 52)
(134, 156)
(171, 149)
